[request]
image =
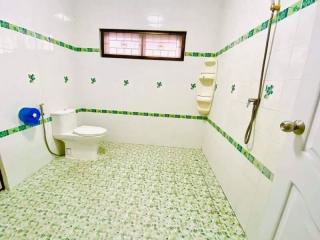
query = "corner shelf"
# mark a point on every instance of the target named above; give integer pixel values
(206, 86)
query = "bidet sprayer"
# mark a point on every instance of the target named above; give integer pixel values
(41, 108)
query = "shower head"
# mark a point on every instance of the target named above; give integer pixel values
(275, 6)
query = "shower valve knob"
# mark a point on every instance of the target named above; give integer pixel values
(252, 100)
(297, 127)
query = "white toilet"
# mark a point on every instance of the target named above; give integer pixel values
(81, 142)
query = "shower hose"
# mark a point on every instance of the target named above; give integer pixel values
(256, 101)
(45, 133)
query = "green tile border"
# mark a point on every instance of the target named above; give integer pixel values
(285, 13)
(256, 163)
(245, 152)
(20, 128)
(22, 30)
(200, 54)
(143, 114)
(253, 160)
(30, 33)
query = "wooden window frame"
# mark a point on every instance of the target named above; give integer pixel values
(183, 34)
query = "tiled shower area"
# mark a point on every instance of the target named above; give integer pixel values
(132, 192)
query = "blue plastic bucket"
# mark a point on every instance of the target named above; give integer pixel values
(29, 116)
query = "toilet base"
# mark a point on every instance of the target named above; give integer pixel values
(81, 147)
(81, 150)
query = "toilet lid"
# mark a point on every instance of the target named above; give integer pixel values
(90, 131)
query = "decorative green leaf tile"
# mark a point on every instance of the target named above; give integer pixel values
(193, 86)
(159, 84)
(268, 91)
(126, 82)
(93, 80)
(31, 77)
(233, 88)
(66, 79)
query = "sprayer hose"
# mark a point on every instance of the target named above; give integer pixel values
(45, 136)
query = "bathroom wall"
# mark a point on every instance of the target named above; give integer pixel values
(141, 94)
(211, 26)
(23, 152)
(238, 77)
(47, 39)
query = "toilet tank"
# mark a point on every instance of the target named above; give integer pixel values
(63, 121)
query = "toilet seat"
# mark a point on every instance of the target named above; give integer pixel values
(89, 131)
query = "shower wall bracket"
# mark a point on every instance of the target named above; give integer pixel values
(206, 83)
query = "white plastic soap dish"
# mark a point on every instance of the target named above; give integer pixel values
(203, 111)
(201, 99)
(207, 78)
(211, 62)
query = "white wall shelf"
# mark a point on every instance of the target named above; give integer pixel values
(206, 86)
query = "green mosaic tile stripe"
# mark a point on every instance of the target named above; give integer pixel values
(258, 165)
(8, 132)
(255, 162)
(22, 30)
(294, 8)
(143, 114)
(306, 3)
(200, 54)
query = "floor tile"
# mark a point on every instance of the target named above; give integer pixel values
(132, 192)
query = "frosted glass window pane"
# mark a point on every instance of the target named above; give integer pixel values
(162, 45)
(141, 44)
(122, 43)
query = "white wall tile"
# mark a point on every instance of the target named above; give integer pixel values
(148, 130)
(78, 23)
(24, 153)
(242, 65)
(210, 26)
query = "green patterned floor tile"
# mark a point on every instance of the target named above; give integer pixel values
(132, 192)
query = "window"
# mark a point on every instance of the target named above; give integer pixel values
(160, 45)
